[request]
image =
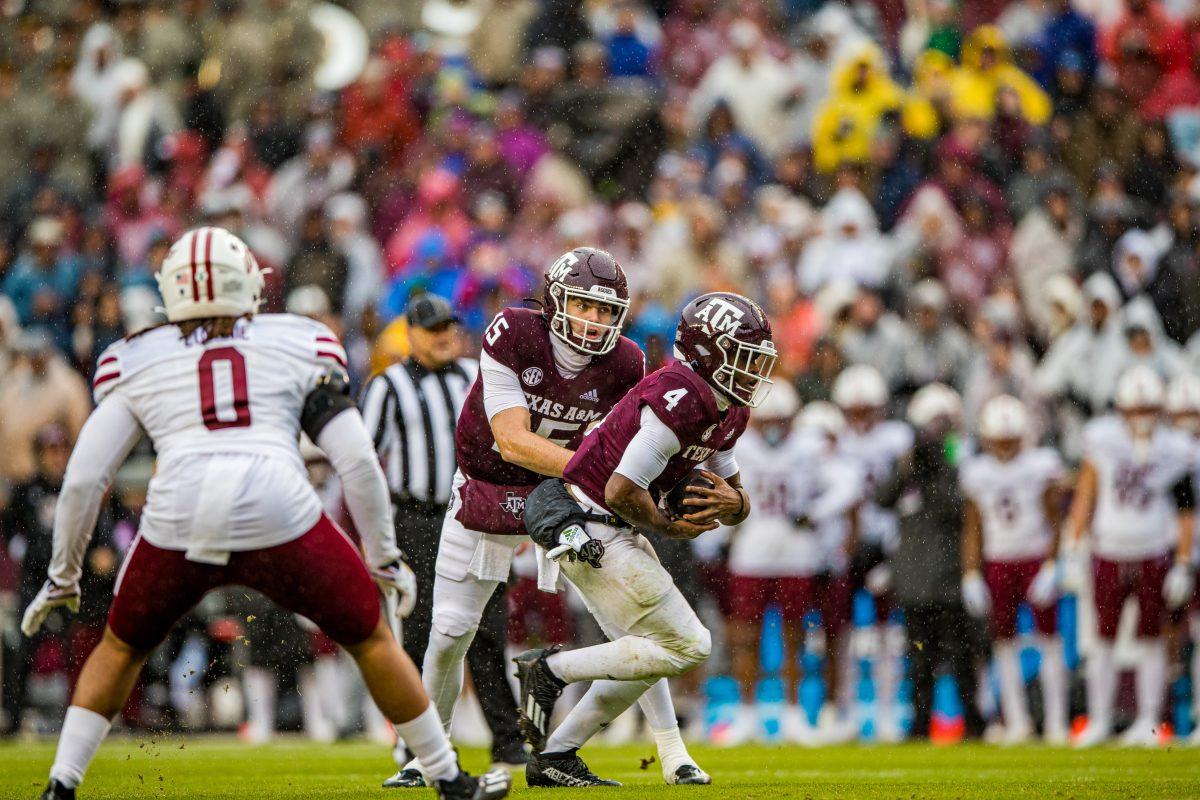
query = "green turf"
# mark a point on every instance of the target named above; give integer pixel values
(174, 767)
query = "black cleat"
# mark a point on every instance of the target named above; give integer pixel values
(540, 689)
(491, 785)
(56, 791)
(406, 779)
(691, 774)
(510, 756)
(562, 769)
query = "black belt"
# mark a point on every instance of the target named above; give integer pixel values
(611, 520)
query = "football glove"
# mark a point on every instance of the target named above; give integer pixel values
(1178, 585)
(575, 543)
(1044, 588)
(49, 597)
(396, 576)
(878, 579)
(976, 597)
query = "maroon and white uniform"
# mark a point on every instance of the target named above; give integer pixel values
(1134, 523)
(230, 500)
(1016, 534)
(564, 391)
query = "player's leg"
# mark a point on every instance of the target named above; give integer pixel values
(1109, 591)
(1194, 627)
(154, 589)
(748, 598)
(1006, 586)
(1052, 673)
(795, 595)
(1151, 671)
(486, 658)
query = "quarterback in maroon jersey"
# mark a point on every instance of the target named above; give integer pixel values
(544, 376)
(682, 416)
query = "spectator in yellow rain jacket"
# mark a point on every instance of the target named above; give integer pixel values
(986, 67)
(861, 93)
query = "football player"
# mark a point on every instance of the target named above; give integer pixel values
(223, 394)
(1134, 494)
(1012, 517)
(544, 376)
(875, 443)
(1183, 406)
(801, 489)
(686, 414)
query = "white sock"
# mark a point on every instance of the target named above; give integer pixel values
(672, 752)
(1101, 683)
(442, 672)
(847, 667)
(1012, 688)
(425, 736)
(82, 733)
(1053, 677)
(1149, 680)
(604, 702)
(329, 686)
(887, 670)
(261, 689)
(657, 705)
(626, 659)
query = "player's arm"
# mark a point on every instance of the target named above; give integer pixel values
(627, 492)
(1083, 504)
(508, 416)
(333, 422)
(727, 502)
(1052, 507)
(972, 541)
(104, 441)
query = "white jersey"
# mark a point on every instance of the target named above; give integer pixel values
(224, 417)
(1135, 514)
(797, 478)
(1009, 496)
(876, 451)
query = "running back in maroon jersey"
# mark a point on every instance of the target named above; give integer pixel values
(560, 409)
(685, 404)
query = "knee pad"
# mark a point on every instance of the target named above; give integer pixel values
(689, 650)
(455, 623)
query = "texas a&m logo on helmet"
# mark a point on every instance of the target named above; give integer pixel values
(726, 339)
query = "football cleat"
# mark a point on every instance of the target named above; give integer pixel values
(406, 779)
(491, 785)
(1092, 735)
(562, 769)
(56, 791)
(540, 690)
(1142, 733)
(690, 774)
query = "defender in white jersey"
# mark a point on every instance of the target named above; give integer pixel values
(1134, 495)
(1010, 542)
(1183, 407)
(876, 444)
(804, 494)
(224, 394)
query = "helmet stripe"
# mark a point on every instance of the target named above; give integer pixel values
(208, 262)
(195, 285)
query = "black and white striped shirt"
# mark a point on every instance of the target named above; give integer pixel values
(412, 413)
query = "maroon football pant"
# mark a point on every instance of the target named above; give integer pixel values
(1114, 581)
(320, 576)
(1008, 582)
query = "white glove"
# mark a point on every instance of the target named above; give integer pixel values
(1043, 590)
(878, 579)
(575, 543)
(396, 576)
(1074, 568)
(48, 598)
(1178, 585)
(976, 598)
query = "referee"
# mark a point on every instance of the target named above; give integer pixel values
(412, 407)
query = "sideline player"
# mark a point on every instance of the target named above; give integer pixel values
(1011, 522)
(1183, 407)
(1134, 493)
(543, 378)
(686, 414)
(224, 394)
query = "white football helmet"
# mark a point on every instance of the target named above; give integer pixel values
(1183, 395)
(931, 402)
(824, 417)
(209, 272)
(781, 403)
(860, 386)
(1003, 417)
(1139, 388)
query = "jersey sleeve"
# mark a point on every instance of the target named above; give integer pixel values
(500, 340)
(328, 349)
(970, 478)
(501, 386)
(108, 372)
(722, 463)
(1049, 464)
(649, 451)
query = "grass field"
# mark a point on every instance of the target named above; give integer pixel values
(218, 768)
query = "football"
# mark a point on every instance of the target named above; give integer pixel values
(673, 500)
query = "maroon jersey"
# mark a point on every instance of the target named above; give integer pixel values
(560, 410)
(685, 404)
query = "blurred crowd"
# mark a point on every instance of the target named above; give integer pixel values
(1000, 196)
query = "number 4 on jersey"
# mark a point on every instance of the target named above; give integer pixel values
(673, 397)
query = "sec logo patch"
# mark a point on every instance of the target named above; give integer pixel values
(531, 376)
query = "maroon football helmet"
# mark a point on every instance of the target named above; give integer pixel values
(726, 339)
(592, 276)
